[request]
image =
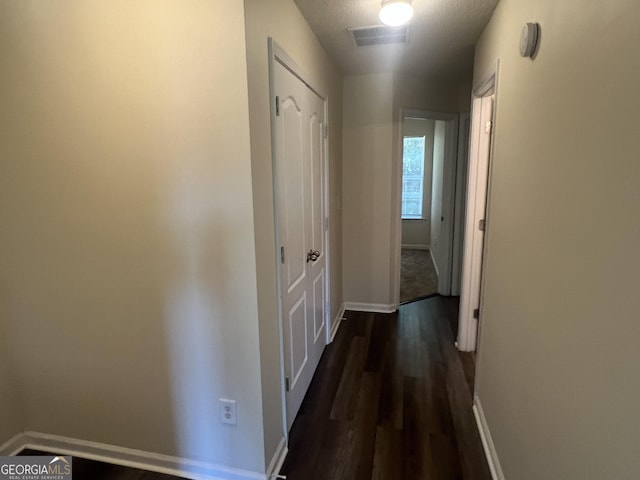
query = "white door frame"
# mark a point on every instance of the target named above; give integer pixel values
(451, 147)
(279, 55)
(473, 273)
(462, 163)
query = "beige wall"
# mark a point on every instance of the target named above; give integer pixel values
(12, 418)
(415, 233)
(127, 258)
(372, 105)
(410, 91)
(281, 20)
(558, 354)
(368, 106)
(464, 97)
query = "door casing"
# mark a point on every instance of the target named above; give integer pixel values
(451, 148)
(469, 328)
(464, 129)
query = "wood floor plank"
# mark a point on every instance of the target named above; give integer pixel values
(387, 458)
(379, 343)
(469, 368)
(445, 449)
(345, 400)
(418, 462)
(438, 417)
(414, 357)
(349, 449)
(366, 422)
(391, 392)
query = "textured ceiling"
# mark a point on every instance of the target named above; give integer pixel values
(441, 38)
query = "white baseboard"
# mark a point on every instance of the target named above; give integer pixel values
(128, 457)
(370, 307)
(336, 323)
(487, 441)
(414, 247)
(278, 459)
(13, 445)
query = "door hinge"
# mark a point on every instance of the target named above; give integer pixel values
(476, 313)
(282, 254)
(482, 225)
(325, 130)
(277, 106)
(287, 387)
(326, 223)
(488, 126)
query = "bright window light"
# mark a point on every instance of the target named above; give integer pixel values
(413, 177)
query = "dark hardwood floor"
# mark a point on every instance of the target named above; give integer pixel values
(391, 399)
(84, 469)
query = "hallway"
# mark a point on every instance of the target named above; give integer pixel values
(389, 400)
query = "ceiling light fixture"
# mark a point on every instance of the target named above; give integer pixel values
(396, 12)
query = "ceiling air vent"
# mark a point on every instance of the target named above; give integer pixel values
(365, 37)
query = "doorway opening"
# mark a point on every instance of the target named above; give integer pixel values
(418, 275)
(431, 179)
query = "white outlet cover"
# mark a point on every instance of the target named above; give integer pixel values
(228, 411)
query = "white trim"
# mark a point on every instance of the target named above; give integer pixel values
(396, 214)
(488, 83)
(278, 459)
(273, 50)
(409, 246)
(278, 54)
(370, 307)
(472, 280)
(128, 457)
(13, 445)
(336, 323)
(459, 216)
(327, 224)
(435, 265)
(487, 441)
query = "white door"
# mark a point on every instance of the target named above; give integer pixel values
(445, 144)
(479, 155)
(299, 157)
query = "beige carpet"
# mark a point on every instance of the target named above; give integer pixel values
(418, 277)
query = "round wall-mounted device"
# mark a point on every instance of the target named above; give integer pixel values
(529, 39)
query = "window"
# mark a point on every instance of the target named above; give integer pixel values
(413, 177)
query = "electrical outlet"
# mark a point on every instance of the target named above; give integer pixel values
(228, 411)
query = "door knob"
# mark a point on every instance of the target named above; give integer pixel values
(312, 255)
